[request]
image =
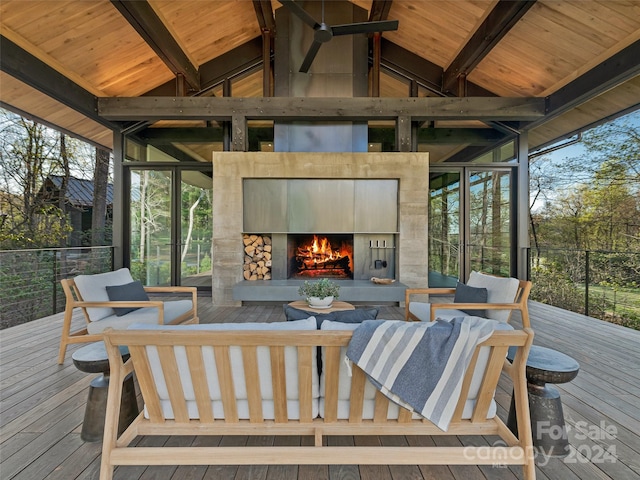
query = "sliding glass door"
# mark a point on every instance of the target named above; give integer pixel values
(470, 223)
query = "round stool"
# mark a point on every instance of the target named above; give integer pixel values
(545, 365)
(93, 359)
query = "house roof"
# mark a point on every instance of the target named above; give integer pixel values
(582, 57)
(79, 192)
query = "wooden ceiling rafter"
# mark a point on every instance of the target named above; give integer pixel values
(610, 73)
(144, 19)
(32, 71)
(267, 22)
(494, 27)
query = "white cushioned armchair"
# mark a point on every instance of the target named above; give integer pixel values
(114, 300)
(503, 295)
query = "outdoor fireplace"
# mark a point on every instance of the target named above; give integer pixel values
(320, 255)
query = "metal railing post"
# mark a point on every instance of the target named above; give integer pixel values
(586, 283)
(55, 289)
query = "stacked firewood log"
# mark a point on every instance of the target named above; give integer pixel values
(257, 257)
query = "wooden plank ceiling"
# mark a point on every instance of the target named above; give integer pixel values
(58, 55)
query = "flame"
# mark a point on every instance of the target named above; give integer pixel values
(318, 252)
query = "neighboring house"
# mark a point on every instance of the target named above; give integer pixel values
(78, 203)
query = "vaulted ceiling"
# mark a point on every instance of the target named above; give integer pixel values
(58, 57)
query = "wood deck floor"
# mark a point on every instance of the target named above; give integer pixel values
(42, 407)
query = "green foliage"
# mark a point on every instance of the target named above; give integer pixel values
(321, 289)
(552, 285)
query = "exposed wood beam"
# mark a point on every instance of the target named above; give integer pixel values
(379, 10)
(266, 20)
(457, 136)
(264, 14)
(359, 108)
(24, 66)
(614, 71)
(152, 29)
(158, 136)
(495, 26)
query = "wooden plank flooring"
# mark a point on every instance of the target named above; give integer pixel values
(42, 408)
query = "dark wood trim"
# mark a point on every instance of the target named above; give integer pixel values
(32, 71)
(143, 18)
(495, 26)
(456, 136)
(359, 108)
(379, 10)
(264, 14)
(612, 72)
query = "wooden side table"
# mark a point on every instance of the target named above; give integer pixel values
(336, 306)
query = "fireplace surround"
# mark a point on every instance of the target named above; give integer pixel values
(406, 246)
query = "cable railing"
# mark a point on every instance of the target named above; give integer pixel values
(597, 283)
(30, 279)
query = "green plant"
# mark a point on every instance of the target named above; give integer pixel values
(321, 289)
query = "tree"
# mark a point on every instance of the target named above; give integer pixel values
(29, 153)
(100, 184)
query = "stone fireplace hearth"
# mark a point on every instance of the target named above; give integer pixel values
(406, 249)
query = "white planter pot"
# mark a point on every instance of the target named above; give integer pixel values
(320, 302)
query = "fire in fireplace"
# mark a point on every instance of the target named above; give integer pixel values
(320, 255)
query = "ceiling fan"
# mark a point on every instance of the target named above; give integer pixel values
(323, 32)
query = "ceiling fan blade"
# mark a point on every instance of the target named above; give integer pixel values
(311, 54)
(300, 12)
(364, 27)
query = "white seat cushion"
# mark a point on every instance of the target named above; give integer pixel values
(93, 288)
(149, 315)
(499, 290)
(237, 368)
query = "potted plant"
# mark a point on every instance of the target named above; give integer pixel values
(319, 294)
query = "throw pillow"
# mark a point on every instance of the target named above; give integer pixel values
(467, 294)
(358, 315)
(130, 292)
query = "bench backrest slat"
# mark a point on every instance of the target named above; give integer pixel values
(331, 361)
(254, 395)
(227, 387)
(278, 378)
(489, 383)
(147, 383)
(305, 386)
(200, 386)
(174, 383)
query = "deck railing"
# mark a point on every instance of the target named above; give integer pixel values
(30, 279)
(600, 284)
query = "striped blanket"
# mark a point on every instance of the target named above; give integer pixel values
(419, 365)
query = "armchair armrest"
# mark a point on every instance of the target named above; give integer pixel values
(422, 291)
(473, 306)
(127, 304)
(169, 289)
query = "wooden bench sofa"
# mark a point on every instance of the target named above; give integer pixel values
(262, 379)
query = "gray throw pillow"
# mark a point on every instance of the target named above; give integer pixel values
(467, 294)
(130, 292)
(358, 315)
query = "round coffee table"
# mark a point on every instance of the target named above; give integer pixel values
(93, 358)
(336, 306)
(545, 366)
